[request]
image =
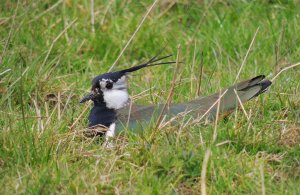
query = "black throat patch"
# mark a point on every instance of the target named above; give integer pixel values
(101, 115)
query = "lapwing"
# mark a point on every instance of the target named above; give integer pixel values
(113, 111)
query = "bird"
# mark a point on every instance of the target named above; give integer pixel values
(113, 111)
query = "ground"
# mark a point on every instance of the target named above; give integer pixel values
(50, 51)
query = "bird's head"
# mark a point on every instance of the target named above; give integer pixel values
(110, 88)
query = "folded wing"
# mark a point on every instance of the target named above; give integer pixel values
(133, 115)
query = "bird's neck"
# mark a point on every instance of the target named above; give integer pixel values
(101, 115)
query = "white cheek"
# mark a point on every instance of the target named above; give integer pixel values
(115, 99)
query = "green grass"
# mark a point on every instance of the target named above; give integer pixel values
(40, 153)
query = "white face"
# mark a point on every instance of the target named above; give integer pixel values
(115, 94)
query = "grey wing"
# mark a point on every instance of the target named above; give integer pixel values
(135, 115)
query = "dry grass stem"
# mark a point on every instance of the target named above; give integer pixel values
(204, 171)
(129, 111)
(50, 117)
(207, 9)
(285, 69)
(193, 76)
(133, 35)
(39, 116)
(246, 56)
(58, 106)
(106, 11)
(46, 11)
(216, 121)
(66, 104)
(5, 71)
(241, 104)
(210, 108)
(92, 16)
(223, 143)
(200, 76)
(87, 106)
(159, 120)
(46, 107)
(278, 46)
(263, 188)
(141, 94)
(10, 31)
(174, 118)
(172, 3)
(55, 40)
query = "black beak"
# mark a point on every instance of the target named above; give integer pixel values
(87, 97)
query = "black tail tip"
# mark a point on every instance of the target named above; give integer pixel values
(264, 87)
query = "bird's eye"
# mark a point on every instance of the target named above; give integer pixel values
(109, 85)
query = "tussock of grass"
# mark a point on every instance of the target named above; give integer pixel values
(43, 149)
